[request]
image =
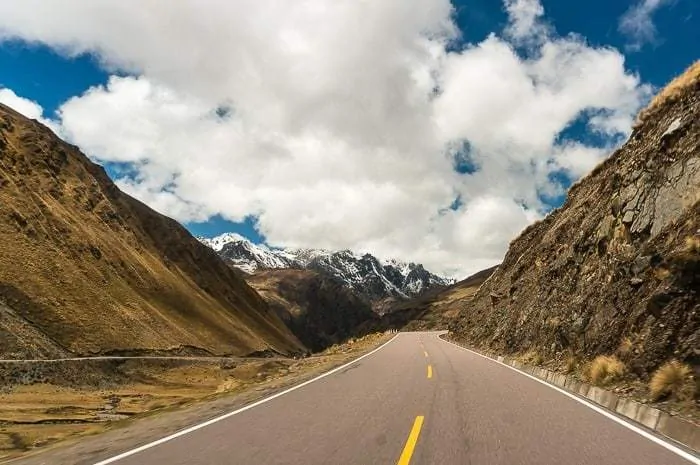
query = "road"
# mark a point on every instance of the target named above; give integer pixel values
(418, 400)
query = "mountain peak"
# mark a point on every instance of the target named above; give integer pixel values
(217, 243)
(364, 273)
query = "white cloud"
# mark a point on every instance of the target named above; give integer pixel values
(577, 159)
(335, 135)
(637, 24)
(525, 24)
(26, 107)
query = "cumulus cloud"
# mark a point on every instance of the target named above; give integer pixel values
(525, 23)
(339, 124)
(637, 23)
(26, 107)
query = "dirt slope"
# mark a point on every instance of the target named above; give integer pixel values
(620, 259)
(320, 311)
(91, 270)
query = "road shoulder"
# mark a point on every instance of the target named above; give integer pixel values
(114, 437)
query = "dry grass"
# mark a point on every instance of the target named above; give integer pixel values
(605, 369)
(94, 270)
(690, 77)
(458, 294)
(626, 348)
(661, 273)
(692, 245)
(672, 379)
(532, 357)
(554, 322)
(570, 364)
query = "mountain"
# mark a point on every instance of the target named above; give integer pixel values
(86, 269)
(249, 257)
(320, 311)
(364, 274)
(436, 308)
(616, 269)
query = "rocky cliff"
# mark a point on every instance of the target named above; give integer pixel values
(619, 261)
(86, 269)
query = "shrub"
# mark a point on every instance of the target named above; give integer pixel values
(604, 369)
(672, 379)
(532, 358)
(570, 364)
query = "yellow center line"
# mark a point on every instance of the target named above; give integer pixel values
(430, 371)
(407, 453)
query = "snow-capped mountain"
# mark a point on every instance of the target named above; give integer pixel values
(246, 256)
(217, 243)
(365, 274)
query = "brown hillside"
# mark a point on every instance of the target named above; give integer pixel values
(320, 311)
(617, 268)
(436, 308)
(85, 268)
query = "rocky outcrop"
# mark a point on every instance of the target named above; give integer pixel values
(619, 260)
(86, 269)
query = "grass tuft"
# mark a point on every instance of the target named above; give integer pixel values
(532, 357)
(626, 348)
(570, 364)
(672, 379)
(661, 273)
(692, 245)
(605, 369)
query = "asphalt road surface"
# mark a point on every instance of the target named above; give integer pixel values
(417, 400)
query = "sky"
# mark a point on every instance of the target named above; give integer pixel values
(427, 131)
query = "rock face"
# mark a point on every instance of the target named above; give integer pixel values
(620, 259)
(364, 274)
(86, 269)
(320, 311)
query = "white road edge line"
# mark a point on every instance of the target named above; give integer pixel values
(235, 412)
(676, 450)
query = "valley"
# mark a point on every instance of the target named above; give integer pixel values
(111, 312)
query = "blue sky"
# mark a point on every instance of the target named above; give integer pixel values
(43, 75)
(37, 67)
